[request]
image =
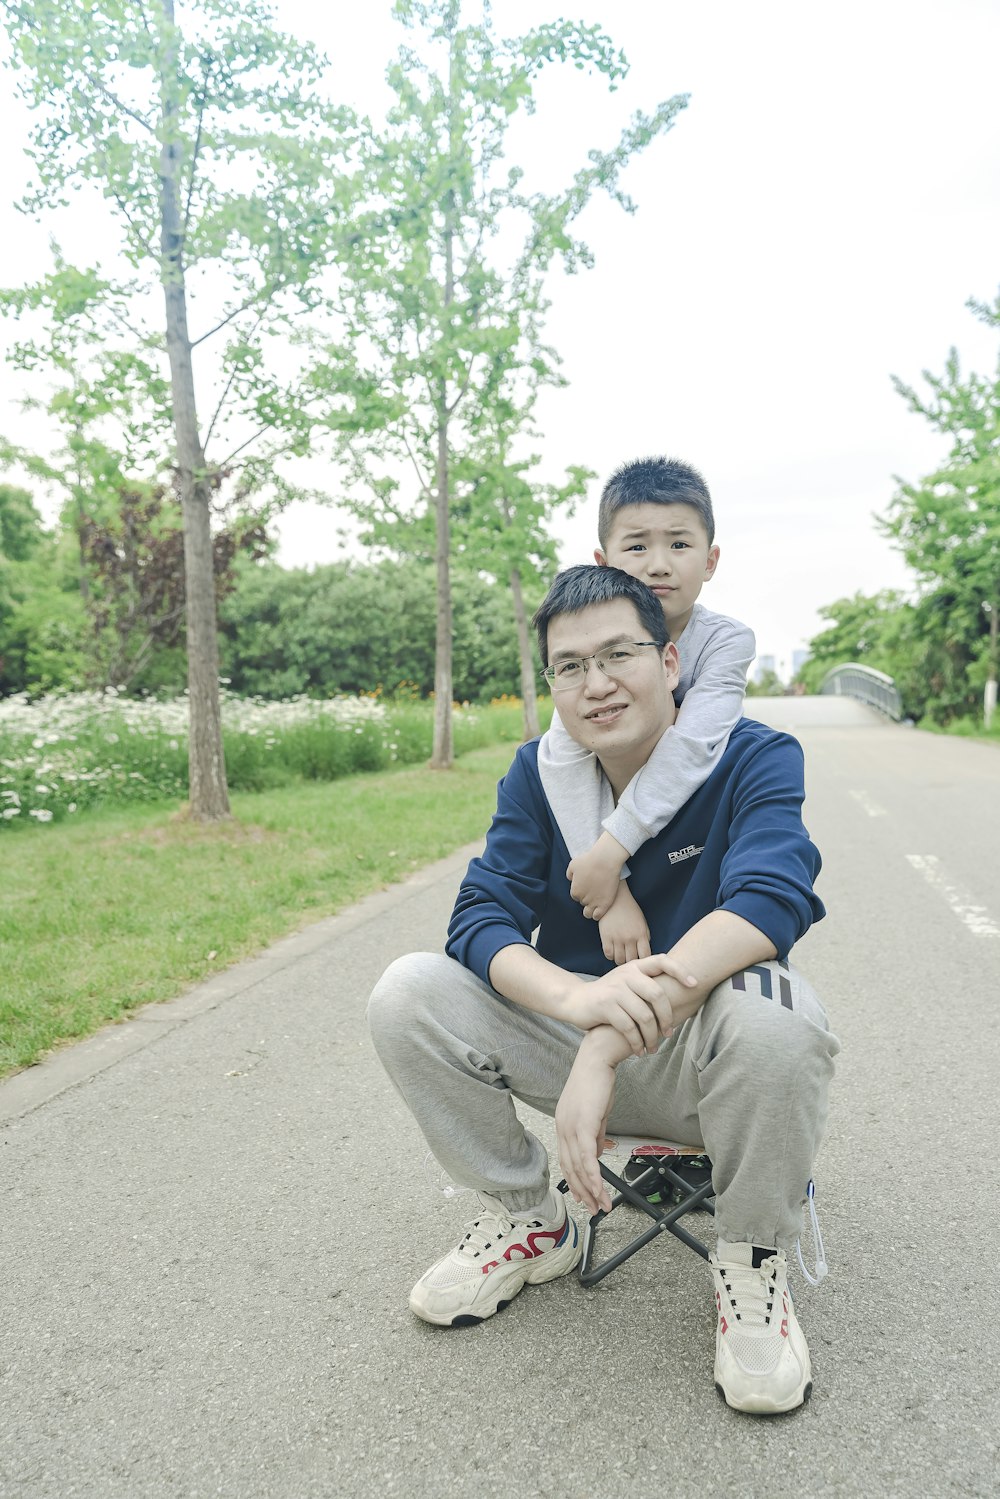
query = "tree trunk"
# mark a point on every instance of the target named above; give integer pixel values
(442, 753)
(442, 756)
(80, 516)
(990, 693)
(208, 793)
(529, 695)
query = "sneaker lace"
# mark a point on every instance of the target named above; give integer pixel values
(486, 1229)
(752, 1293)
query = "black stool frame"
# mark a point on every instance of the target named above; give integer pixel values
(665, 1219)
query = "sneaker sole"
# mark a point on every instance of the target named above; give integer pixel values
(758, 1406)
(554, 1263)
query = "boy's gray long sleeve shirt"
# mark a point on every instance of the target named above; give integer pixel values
(715, 655)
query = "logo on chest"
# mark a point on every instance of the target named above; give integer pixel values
(678, 855)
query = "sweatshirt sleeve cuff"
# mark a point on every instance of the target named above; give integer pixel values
(628, 830)
(484, 946)
(777, 922)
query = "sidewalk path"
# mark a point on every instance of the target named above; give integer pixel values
(212, 1215)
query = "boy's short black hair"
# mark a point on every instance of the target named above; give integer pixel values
(579, 587)
(654, 481)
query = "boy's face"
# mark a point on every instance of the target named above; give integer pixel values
(666, 546)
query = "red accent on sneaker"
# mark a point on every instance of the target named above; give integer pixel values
(555, 1234)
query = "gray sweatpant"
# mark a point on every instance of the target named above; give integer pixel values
(746, 1079)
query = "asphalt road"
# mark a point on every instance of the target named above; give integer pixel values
(212, 1214)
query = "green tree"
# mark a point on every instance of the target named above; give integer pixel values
(352, 628)
(446, 300)
(226, 169)
(42, 623)
(135, 561)
(947, 525)
(857, 631)
(21, 529)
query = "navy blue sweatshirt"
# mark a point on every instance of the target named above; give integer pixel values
(737, 845)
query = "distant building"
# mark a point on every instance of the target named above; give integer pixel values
(764, 666)
(799, 659)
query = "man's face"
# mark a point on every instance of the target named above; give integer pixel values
(619, 719)
(667, 547)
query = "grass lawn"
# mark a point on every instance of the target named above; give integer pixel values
(134, 904)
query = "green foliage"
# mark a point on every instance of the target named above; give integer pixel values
(350, 629)
(261, 163)
(937, 647)
(446, 304)
(947, 527)
(857, 631)
(21, 530)
(136, 595)
(768, 684)
(42, 622)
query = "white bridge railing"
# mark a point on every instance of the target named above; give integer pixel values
(867, 685)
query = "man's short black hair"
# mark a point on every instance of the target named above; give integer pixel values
(579, 587)
(654, 481)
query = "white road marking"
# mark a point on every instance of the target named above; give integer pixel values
(872, 808)
(962, 902)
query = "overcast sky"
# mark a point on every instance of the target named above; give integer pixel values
(814, 222)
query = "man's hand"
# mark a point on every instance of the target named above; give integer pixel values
(633, 999)
(582, 1117)
(624, 933)
(595, 876)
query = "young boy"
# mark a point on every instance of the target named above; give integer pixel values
(655, 521)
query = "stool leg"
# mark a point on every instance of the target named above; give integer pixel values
(664, 1220)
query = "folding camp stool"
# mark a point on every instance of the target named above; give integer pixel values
(664, 1156)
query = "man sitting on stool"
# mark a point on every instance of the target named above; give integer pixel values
(708, 1042)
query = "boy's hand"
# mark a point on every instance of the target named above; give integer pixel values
(624, 933)
(595, 876)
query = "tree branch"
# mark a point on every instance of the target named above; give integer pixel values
(252, 438)
(421, 480)
(229, 383)
(264, 292)
(450, 410)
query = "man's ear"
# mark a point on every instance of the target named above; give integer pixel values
(672, 664)
(600, 558)
(712, 563)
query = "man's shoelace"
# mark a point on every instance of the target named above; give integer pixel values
(483, 1232)
(489, 1229)
(752, 1294)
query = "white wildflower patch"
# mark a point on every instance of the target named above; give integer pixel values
(72, 750)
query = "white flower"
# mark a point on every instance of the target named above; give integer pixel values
(41, 813)
(9, 812)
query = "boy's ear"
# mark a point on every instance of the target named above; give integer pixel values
(712, 564)
(600, 558)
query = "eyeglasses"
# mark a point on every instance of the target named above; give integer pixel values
(614, 661)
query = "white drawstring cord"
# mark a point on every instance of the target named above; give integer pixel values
(821, 1267)
(441, 1181)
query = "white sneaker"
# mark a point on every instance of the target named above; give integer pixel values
(497, 1257)
(761, 1356)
